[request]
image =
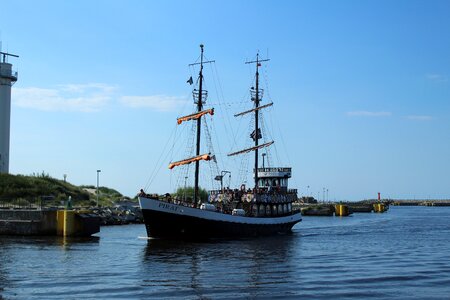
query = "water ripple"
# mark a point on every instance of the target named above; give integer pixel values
(403, 254)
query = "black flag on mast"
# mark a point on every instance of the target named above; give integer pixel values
(190, 81)
(253, 135)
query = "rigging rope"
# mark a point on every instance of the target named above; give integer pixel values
(189, 152)
(221, 103)
(221, 113)
(210, 145)
(160, 161)
(244, 171)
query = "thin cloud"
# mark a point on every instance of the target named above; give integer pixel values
(156, 102)
(419, 118)
(364, 113)
(91, 87)
(70, 97)
(436, 77)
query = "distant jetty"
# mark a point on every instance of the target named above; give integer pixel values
(311, 207)
(428, 202)
(340, 209)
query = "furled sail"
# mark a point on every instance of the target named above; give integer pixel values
(252, 148)
(254, 109)
(190, 160)
(195, 116)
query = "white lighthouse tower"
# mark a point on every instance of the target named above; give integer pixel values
(7, 78)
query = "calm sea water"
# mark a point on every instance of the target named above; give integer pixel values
(403, 254)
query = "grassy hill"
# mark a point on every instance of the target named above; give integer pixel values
(53, 191)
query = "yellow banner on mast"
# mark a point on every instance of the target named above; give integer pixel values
(190, 160)
(195, 116)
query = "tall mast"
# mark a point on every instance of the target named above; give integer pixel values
(199, 122)
(200, 96)
(256, 120)
(256, 99)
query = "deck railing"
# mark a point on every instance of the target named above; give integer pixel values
(9, 74)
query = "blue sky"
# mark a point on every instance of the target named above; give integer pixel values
(361, 89)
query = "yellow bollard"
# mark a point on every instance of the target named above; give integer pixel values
(379, 208)
(76, 223)
(60, 223)
(69, 223)
(341, 210)
(66, 223)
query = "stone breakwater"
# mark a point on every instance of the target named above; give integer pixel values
(119, 215)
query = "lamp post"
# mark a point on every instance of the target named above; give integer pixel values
(328, 199)
(263, 155)
(98, 172)
(307, 191)
(220, 178)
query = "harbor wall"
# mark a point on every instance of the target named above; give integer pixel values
(27, 222)
(48, 222)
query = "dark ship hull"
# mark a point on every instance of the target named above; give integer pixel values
(168, 220)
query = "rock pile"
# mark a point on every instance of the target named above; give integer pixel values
(119, 215)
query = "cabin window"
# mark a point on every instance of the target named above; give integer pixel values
(274, 210)
(289, 207)
(262, 210)
(285, 208)
(255, 209)
(280, 209)
(268, 210)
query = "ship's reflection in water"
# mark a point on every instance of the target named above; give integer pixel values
(220, 268)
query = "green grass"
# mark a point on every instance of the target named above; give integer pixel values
(38, 186)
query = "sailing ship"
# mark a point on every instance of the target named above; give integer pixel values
(264, 209)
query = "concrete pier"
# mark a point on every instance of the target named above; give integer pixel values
(27, 222)
(318, 210)
(359, 208)
(48, 222)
